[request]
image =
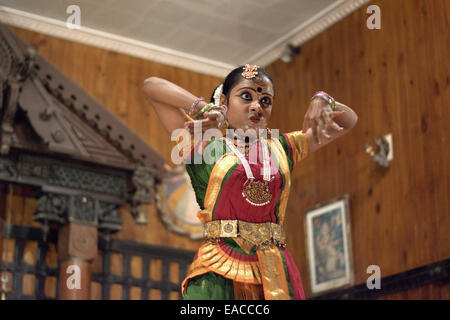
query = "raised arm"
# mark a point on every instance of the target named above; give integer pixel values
(169, 101)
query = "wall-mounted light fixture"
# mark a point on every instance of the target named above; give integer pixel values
(385, 152)
(289, 52)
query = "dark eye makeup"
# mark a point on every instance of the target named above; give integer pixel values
(247, 96)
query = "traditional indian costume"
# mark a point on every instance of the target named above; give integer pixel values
(245, 256)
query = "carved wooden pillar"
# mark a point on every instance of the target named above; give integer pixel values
(80, 217)
(77, 248)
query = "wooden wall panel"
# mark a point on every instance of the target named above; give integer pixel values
(397, 80)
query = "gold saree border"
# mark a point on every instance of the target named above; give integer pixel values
(277, 147)
(216, 178)
(273, 274)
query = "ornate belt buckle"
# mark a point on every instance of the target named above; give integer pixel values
(264, 234)
(211, 230)
(255, 233)
(228, 228)
(245, 230)
(265, 231)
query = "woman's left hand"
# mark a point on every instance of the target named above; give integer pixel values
(319, 117)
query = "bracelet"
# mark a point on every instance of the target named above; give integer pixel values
(204, 109)
(196, 102)
(325, 96)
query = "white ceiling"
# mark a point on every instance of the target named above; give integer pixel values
(222, 32)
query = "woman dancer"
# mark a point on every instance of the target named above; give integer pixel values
(244, 191)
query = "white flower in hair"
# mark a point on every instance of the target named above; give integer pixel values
(217, 95)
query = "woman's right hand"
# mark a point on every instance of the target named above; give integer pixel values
(209, 121)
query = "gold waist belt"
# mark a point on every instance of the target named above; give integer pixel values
(257, 234)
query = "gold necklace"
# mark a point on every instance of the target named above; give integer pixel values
(256, 193)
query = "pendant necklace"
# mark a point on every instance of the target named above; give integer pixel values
(256, 193)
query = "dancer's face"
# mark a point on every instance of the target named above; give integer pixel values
(250, 104)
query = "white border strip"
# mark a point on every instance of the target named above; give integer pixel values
(113, 42)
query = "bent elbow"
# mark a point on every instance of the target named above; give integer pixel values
(355, 120)
(148, 85)
(352, 119)
(151, 86)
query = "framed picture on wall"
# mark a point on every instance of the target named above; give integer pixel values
(328, 246)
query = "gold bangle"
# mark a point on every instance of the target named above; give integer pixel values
(325, 96)
(332, 103)
(203, 110)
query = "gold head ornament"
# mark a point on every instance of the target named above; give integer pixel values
(250, 71)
